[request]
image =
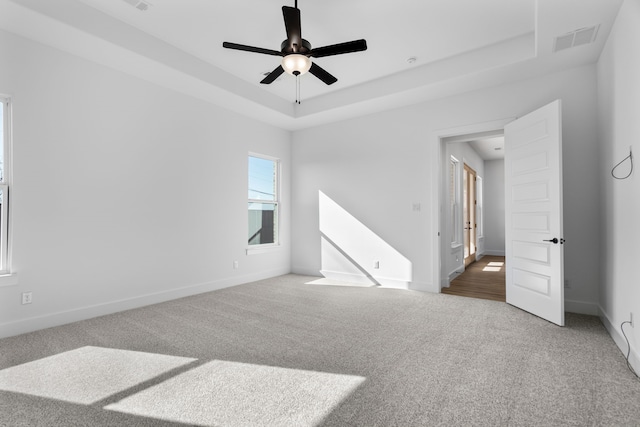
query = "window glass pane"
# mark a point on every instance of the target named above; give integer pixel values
(262, 223)
(262, 179)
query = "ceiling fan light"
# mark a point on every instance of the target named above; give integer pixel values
(296, 64)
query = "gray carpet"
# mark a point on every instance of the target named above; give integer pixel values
(280, 352)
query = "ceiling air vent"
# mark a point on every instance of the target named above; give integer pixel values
(576, 38)
(138, 4)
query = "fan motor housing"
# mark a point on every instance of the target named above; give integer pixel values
(303, 50)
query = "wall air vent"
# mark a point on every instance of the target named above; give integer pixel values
(576, 38)
(138, 4)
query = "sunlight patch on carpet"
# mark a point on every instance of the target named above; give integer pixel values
(223, 393)
(87, 374)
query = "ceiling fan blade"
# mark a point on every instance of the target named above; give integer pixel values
(323, 75)
(273, 75)
(339, 49)
(293, 27)
(253, 49)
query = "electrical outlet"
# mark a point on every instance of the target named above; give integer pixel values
(376, 264)
(27, 297)
(235, 265)
(566, 284)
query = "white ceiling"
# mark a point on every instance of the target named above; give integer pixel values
(489, 148)
(460, 45)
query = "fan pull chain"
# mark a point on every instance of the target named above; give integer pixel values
(298, 89)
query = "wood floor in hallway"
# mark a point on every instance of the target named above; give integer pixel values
(483, 279)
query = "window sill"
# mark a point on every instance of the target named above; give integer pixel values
(10, 279)
(262, 249)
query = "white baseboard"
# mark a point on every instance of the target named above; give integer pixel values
(618, 338)
(581, 307)
(342, 276)
(384, 282)
(303, 271)
(82, 313)
(393, 283)
(455, 273)
(423, 287)
(493, 253)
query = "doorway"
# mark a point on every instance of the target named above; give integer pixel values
(473, 245)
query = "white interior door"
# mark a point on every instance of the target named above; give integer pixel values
(533, 208)
(469, 206)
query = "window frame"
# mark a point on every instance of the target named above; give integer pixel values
(276, 202)
(6, 277)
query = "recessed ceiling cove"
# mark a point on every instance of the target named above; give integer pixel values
(458, 46)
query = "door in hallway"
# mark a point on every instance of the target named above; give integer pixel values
(469, 204)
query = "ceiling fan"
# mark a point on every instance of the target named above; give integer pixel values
(297, 52)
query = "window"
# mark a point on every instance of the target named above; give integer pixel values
(5, 138)
(263, 200)
(454, 215)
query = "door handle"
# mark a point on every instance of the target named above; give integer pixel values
(555, 241)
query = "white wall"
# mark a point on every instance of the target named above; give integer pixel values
(494, 207)
(619, 129)
(124, 193)
(377, 167)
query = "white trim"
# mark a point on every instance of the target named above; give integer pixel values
(581, 307)
(8, 280)
(6, 225)
(359, 279)
(616, 334)
(304, 271)
(455, 273)
(263, 156)
(261, 249)
(422, 287)
(385, 282)
(493, 253)
(5, 267)
(393, 284)
(69, 316)
(455, 136)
